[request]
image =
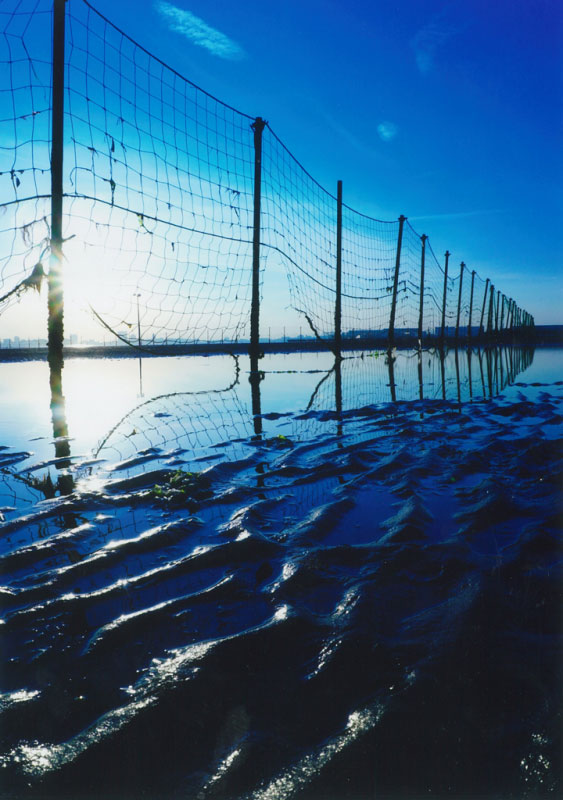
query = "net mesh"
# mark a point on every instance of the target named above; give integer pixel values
(25, 120)
(159, 207)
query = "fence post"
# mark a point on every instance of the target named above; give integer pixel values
(258, 127)
(490, 314)
(510, 314)
(496, 312)
(391, 332)
(55, 300)
(424, 237)
(445, 296)
(502, 313)
(459, 299)
(471, 304)
(338, 301)
(481, 327)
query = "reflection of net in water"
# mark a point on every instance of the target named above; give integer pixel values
(377, 377)
(179, 428)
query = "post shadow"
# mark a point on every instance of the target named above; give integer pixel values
(391, 367)
(443, 372)
(457, 377)
(338, 393)
(255, 379)
(482, 373)
(65, 481)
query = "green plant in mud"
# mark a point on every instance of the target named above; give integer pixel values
(281, 442)
(181, 488)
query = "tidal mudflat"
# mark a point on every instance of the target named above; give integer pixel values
(343, 584)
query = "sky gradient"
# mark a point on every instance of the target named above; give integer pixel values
(447, 112)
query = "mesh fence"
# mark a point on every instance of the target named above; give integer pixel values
(159, 206)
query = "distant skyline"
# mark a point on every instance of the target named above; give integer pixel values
(447, 112)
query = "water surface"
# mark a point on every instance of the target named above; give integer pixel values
(345, 585)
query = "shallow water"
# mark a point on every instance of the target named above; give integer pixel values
(355, 594)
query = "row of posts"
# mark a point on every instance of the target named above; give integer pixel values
(510, 315)
(497, 314)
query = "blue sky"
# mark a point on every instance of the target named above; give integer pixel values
(448, 112)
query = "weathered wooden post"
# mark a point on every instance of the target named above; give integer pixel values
(481, 324)
(258, 128)
(490, 315)
(510, 315)
(391, 332)
(459, 299)
(338, 301)
(497, 310)
(471, 304)
(445, 297)
(423, 238)
(55, 300)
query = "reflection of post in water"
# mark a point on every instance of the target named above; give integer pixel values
(509, 373)
(501, 360)
(457, 376)
(65, 482)
(255, 378)
(338, 393)
(489, 371)
(391, 365)
(443, 372)
(482, 373)
(419, 365)
(469, 354)
(496, 384)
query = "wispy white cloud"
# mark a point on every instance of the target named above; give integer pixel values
(199, 32)
(387, 131)
(438, 30)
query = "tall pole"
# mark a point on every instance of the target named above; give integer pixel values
(424, 237)
(445, 296)
(471, 304)
(502, 312)
(391, 334)
(338, 301)
(55, 324)
(258, 128)
(497, 310)
(490, 315)
(459, 299)
(481, 327)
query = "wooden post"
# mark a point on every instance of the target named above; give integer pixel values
(490, 314)
(445, 296)
(471, 304)
(497, 310)
(391, 333)
(481, 327)
(424, 237)
(55, 300)
(459, 299)
(258, 128)
(510, 315)
(338, 302)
